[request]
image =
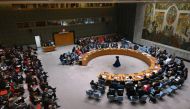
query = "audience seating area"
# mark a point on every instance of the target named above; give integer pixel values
(23, 82)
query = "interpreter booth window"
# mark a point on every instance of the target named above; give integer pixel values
(53, 22)
(40, 23)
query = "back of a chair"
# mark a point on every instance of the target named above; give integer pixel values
(111, 89)
(119, 98)
(101, 89)
(101, 81)
(134, 98)
(93, 87)
(111, 97)
(143, 98)
(120, 92)
(89, 92)
(97, 94)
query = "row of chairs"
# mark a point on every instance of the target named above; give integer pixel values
(166, 90)
(115, 93)
(116, 98)
(169, 90)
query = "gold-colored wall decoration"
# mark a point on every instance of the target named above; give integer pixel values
(183, 27)
(148, 14)
(171, 15)
(159, 17)
(168, 23)
(163, 5)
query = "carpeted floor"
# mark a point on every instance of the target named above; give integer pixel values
(72, 82)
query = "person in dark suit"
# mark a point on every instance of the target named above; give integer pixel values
(93, 85)
(153, 75)
(73, 50)
(130, 91)
(117, 62)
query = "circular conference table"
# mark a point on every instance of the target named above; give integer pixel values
(147, 58)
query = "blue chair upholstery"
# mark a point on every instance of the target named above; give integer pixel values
(143, 98)
(161, 85)
(111, 97)
(142, 49)
(134, 98)
(160, 95)
(173, 87)
(121, 90)
(101, 82)
(93, 87)
(111, 89)
(89, 93)
(152, 90)
(101, 89)
(114, 84)
(169, 91)
(120, 87)
(97, 94)
(119, 98)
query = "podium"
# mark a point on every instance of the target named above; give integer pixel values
(64, 38)
(48, 48)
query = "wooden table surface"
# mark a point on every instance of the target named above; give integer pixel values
(48, 48)
(148, 59)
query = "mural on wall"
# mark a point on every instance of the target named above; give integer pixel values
(149, 12)
(159, 18)
(183, 6)
(183, 29)
(163, 5)
(171, 15)
(168, 24)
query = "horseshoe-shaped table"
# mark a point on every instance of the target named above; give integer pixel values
(148, 59)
